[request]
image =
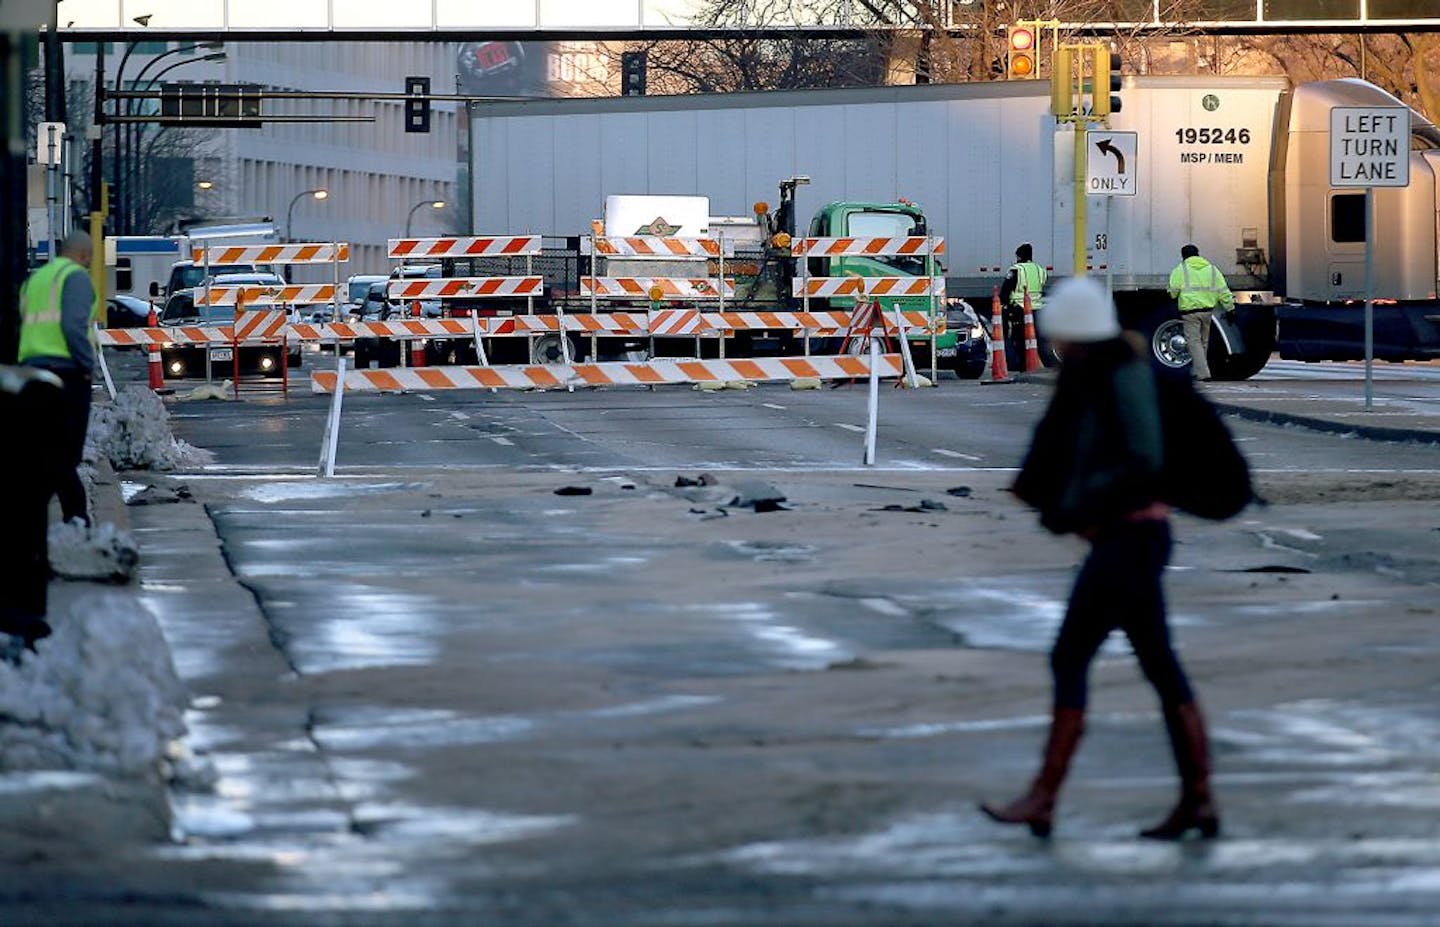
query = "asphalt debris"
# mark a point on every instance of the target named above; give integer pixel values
(574, 491)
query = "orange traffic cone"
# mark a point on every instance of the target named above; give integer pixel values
(1032, 342)
(417, 354)
(999, 371)
(157, 373)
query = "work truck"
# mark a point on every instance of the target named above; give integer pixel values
(1235, 165)
(731, 264)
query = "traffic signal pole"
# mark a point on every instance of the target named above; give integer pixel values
(1070, 103)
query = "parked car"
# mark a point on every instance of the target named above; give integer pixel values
(185, 360)
(127, 311)
(357, 290)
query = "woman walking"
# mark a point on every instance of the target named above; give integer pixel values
(1094, 469)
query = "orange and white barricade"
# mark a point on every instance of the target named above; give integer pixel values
(657, 289)
(652, 246)
(930, 285)
(652, 373)
(465, 287)
(299, 253)
(413, 249)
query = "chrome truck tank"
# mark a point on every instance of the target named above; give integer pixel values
(1322, 228)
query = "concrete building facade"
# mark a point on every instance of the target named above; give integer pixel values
(374, 173)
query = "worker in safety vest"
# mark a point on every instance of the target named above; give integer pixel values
(1025, 276)
(58, 310)
(1198, 287)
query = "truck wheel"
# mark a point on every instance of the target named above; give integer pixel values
(548, 350)
(1258, 326)
(1168, 345)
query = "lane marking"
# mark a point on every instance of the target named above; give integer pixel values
(848, 427)
(460, 416)
(773, 405)
(943, 452)
(426, 396)
(499, 440)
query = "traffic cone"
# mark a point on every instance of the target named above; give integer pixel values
(1032, 343)
(157, 372)
(417, 354)
(999, 371)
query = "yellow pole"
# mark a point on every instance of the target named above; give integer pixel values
(97, 256)
(1081, 136)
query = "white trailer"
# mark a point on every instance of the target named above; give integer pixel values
(1231, 164)
(985, 161)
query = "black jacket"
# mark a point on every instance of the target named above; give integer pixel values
(1098, 452)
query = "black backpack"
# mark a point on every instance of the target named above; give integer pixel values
(1204, 474)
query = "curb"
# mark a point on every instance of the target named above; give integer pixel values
(1368, 432)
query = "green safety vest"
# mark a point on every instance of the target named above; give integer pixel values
(1197, 286)
(41, 332)
(1028, 276)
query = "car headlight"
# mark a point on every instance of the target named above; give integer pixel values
(977, 330)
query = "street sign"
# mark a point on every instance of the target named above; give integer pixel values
(1111, 163)
(1369, 146)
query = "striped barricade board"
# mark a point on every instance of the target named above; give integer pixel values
(262, 325)
(651, 246)
(653, 373)
(669, 288)
(288, 295)
(159, 337)
(317, 253)
(465, 287)
(472, 246)
(816, 287)
(863, 247)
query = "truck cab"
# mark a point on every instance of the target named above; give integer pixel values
(961, 345)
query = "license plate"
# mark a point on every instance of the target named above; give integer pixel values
(222, 354)
(946, 352)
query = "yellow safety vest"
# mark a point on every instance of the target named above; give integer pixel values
(41, 331)
(1031, 276)
(1198, 286)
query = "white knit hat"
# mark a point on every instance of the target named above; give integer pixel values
(1078, 310)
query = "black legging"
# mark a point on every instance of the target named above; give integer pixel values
(66, 479)
(1119, 586)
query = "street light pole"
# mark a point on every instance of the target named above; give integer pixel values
(319, 193)
(433, 204)
(136, 169)
(129, 137)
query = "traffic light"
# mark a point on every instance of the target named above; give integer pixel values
(417, 104)
(1020, 61)
(1062, 82)
(1106, 77)
(632, 74)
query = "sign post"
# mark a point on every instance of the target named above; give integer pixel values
(1111, 161)
(1369, 148)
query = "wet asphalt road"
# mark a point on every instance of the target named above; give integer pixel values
(441, 694)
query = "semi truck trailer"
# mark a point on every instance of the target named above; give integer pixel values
(1235, 165)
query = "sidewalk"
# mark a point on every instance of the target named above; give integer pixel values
(1399, 413)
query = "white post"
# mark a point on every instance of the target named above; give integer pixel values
(910, 373)
(479, 342)
(1369, 299)
(870, 427)
(105, 371)
(934, 338)
(332, 423)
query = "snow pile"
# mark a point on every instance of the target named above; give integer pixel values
(134, 433)
(101, 553)
(101, 695)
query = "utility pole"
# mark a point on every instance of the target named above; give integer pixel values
(19, 36)
(99, 193)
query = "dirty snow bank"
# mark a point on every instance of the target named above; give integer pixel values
(102, 553)
(134, 433)
(100, 695)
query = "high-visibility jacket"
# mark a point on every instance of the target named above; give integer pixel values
(1028, 276)
(1196, 285)
(42, 333)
